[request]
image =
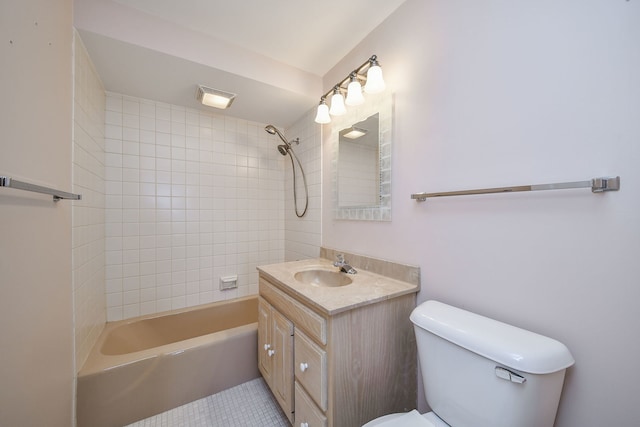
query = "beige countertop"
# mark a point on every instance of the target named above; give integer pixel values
(366, 288)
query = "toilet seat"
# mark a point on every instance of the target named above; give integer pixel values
(432, 418)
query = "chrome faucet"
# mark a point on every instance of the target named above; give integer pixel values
(343, 265)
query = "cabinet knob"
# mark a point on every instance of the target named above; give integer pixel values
(267, 347)
(271, 352)
(304, 424)
(304, 366)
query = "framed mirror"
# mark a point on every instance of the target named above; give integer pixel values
(361, 163)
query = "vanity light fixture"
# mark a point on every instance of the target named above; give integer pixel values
(352, 86)
(355, 133)
(354, 91)
(337, 103)
(375, 82)
(214, 97)
(322, 116)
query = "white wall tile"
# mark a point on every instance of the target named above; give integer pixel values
(88, 215)
(309, 151)
(180, 205)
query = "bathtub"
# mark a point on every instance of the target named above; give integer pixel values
(143, 366)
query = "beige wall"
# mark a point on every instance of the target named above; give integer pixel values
(498, 93)
(36, 329)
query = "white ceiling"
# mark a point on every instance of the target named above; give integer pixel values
(273, 54)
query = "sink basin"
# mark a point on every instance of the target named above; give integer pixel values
(319, 277)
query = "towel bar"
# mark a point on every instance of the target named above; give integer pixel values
(597, 185)
(6, 181)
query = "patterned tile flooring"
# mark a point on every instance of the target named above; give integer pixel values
(249, 404)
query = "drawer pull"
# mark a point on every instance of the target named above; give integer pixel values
(267, 347)
(304, 366)
(271, 352)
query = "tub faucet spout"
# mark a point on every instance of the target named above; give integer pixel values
(343, 265)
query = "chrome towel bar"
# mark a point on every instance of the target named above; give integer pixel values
(6, 181)
(597, 185)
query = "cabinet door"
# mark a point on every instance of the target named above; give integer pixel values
(264, 340)
(282, 374)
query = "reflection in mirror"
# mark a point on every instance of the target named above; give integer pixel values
(362, 165)
(359, 166)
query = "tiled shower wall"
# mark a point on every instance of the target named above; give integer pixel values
(303, 235)
(88, 214)
(190, 196)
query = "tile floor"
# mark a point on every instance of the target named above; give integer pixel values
(249, 404)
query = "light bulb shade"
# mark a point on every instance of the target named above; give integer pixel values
(322, 115)
(375, 82)
(354, 94)
(337, 104)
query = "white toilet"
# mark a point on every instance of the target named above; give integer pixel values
(478, 372)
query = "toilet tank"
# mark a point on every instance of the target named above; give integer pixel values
(478, 372)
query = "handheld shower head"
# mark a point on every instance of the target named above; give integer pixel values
(273, 131)
(285, 149)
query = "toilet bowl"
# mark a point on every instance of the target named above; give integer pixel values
(479, 372)
(431, 420)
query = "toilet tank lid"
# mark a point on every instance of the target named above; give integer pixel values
(508, 345)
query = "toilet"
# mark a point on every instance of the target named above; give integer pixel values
(478, 372)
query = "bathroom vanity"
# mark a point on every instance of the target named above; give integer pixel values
(337, 350)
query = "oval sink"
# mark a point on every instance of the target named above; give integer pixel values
(319, 277)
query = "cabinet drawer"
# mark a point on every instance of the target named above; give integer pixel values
(307, 414)
(303, 317)
(311, 368)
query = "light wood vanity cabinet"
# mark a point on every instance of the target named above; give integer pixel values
(275, 354)
(310, 366)
(346, 368)
(264, 339)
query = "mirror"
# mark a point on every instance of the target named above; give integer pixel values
(358, 165)
(362, 161)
